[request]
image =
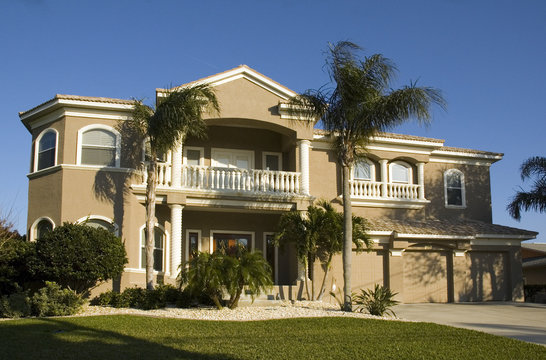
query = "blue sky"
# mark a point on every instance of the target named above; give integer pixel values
(488, 58)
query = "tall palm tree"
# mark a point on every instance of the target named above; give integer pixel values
(535, 199)
(360, 104)
(176, 116)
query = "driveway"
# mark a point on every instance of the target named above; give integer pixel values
(523, 321)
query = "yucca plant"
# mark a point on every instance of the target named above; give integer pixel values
(377, 301)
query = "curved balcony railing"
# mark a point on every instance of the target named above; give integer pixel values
(230, 179)
(363, 189)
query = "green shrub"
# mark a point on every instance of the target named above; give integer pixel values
(52, 300)
(377, 301)
(15, 255)
(141, 298)
(78, 257)
(15, 305)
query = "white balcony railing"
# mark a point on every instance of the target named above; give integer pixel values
(230, 179)
(363, 189)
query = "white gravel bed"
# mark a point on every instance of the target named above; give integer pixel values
(281, 310)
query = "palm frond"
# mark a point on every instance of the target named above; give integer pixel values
(535, 165)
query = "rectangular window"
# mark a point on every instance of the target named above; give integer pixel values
(193, 157)
(270, 253)
(229, 242)
(193, 240)
(272, 162)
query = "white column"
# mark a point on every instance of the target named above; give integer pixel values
(421, 180)
(176, 238)
(384, 177)
(304, 165)
(176, 170)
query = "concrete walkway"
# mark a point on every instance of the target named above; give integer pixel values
(523, 321)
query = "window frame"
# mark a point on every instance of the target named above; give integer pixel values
(166, 250)
(37, 148)
(34, 227)
(404, 164)
(233, 152)
(100, 217)
(196, 148)
(372, 170)
(234, 232)
(276, 256)
(264, 156)
(187, 244)
(463, 189)
(84, 129)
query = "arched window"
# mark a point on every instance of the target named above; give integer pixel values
(400, 172)
(454, 188)
(364, 170)
(97, 221)
(159, 247)
(41, 227)
(99, 145)
(46, 150)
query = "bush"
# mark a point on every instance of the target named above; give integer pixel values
(15, 255)
(78, 257)
(15, 305)
(143, 299)
(51, 300)
(377, 301)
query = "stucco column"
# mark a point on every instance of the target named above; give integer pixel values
(176, 173)
(396, 273)
(516, 273)
(176, 238)
(304, 165)
(384, 177)
(421, 180)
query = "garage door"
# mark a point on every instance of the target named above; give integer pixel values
(425, 276)
(488, 276)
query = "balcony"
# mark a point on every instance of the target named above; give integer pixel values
(383, 194)
(229, 181)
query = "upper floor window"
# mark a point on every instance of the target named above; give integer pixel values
(454, 188)
(272, 161)
(364, 170)
(99, 145)
(46, 150)
(400, 172)
(193, 156)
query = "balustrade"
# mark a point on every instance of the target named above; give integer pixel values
(369, 189)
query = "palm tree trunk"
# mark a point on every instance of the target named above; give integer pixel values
(326, 270)
(150, 219)
(347, 240)
(306, 274)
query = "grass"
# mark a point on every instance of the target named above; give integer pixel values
(131, 337)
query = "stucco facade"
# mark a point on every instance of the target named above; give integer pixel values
(434, 241)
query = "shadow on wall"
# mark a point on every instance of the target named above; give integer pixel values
(477, 189)
(488, 277)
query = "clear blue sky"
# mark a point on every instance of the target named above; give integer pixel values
(488, 57)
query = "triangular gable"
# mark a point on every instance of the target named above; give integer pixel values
(243, 72)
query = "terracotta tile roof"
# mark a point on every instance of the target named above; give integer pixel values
(391, 136)
(468, 151)
(535, 247)
(445, 227)
(81, 98)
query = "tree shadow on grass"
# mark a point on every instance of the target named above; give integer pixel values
(56, 338)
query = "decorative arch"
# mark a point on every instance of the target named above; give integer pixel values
(101, 143)
(46, 149)
(100, 221)
(36, 228)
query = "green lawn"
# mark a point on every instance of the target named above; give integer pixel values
(134, 337)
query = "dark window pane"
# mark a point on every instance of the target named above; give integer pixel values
(43, 227)
(454, 180)
(454, 197)
(193, 157)
(158, 259)
(270, 253)
(193, 239)
(47, 141)
(272, 162)
(46, 159)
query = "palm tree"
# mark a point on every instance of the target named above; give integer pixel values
(360, 104)
(318, 234)
(535, 199)
(176, 116)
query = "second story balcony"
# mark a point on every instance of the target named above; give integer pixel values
(229, 181)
